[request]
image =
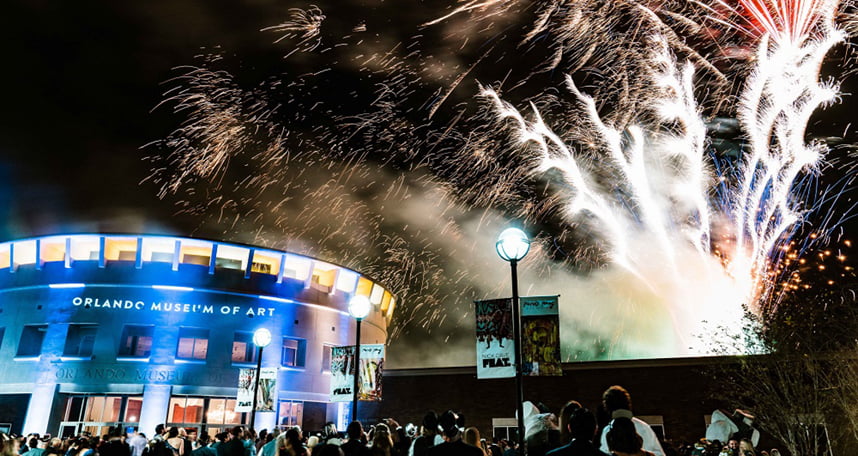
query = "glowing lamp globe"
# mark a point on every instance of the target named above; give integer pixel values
(261, 337)
(359, 307)
(512, 244)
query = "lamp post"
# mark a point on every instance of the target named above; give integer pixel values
(512, 246)
(359, 307)
(261, 338)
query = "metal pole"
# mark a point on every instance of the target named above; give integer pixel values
(357, 371)
(519, 385)
(256, 386)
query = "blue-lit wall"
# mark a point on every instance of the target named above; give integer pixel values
(113, 294)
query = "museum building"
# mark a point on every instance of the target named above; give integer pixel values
(98, 330)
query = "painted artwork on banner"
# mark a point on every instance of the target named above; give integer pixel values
(265, 395)
(244, 398)
(495, 348)
(267, 387)
(371, 369)
(342, 373)
(540, 347)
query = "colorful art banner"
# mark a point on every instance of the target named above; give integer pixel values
(342, 372)
(540, 345)
(267, 386)
(495, 348)
(264, 396)
(371, 369)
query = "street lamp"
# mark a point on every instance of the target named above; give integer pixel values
(261, 338)
(512, 246)
(359, 307)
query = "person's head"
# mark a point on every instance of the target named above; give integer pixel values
(173, 432)
(582, 424)
(733, 444)
(430, 423)
(623, 437)
(159, 429)
(293, 438)
(381, 437)
(236, 432)
(565, 417)
(616, 398)
(330, 430)
(746, 445)
(354, 430)
(8, 446)
(448, 422)
(471, 436)
(204, 439)
(32, 442)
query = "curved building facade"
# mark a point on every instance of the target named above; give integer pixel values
(99, 330)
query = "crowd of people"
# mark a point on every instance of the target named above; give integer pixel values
(571, 433)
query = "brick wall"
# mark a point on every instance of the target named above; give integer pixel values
(674, 389)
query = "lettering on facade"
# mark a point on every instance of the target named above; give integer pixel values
(136, 375)
(103, 303)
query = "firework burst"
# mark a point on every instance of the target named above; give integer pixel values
(374, 152)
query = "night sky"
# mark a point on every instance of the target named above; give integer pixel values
(82, 81)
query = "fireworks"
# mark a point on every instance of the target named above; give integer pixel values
(385, 155)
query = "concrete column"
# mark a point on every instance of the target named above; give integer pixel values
(156, 401)
(265, 420)
(39, 409)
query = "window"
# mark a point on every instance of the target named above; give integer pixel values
(185, 409)
(291, 413)
(293, 352)
(136, 341)
(80, 340)
(222, 411)
(102, 408)
(243, 350)
(31, 340)
(326, 358)
(193, 344)
(133, 408)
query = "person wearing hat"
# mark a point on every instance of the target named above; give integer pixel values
(453, 444)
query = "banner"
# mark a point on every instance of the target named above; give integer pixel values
(342, 373)
(244, 398)
(371, 367)
(540, 345)
(265, 394)
(267, 387)
(495, 348)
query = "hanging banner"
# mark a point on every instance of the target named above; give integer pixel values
(244, 398)
(267, 387)
(495, 348)
(342, 373)
(371, 367)
(540, 345)
(265, 394)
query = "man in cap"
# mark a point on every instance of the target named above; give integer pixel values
(453, 444)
